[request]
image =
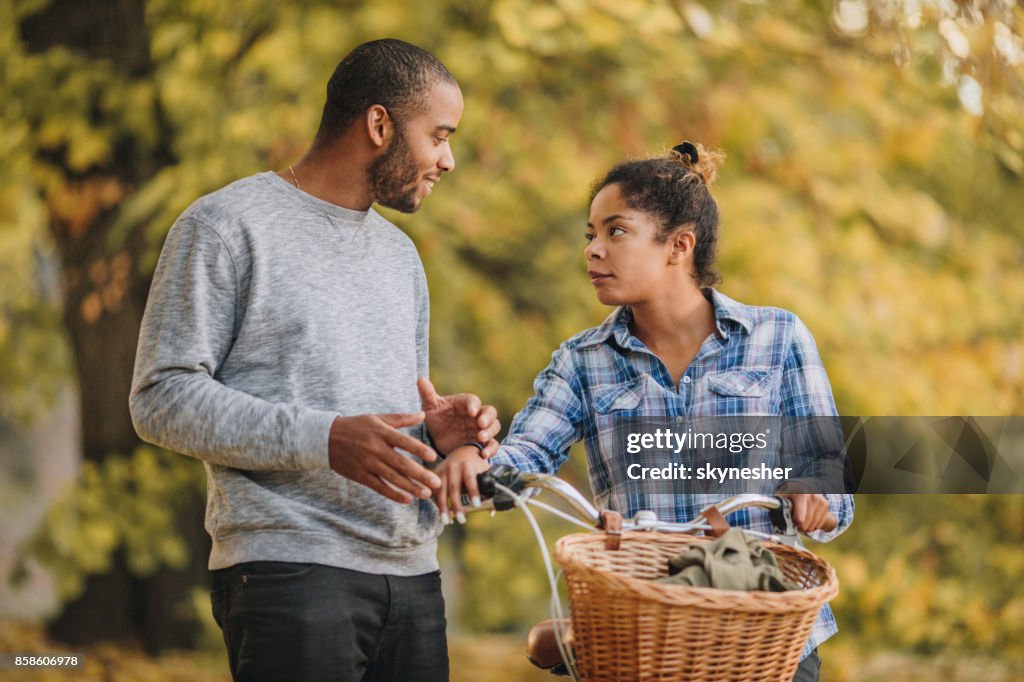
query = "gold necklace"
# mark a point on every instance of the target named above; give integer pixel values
(294, 179)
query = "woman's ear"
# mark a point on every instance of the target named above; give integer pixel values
(683, 243)
(379, 125)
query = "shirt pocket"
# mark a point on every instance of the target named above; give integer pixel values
(624, 397)
(747, 383)
(618, 410)
(743, 391)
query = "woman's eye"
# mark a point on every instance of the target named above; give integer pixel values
(589, 237)
(615, 231)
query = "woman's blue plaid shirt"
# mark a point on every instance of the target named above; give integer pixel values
(762, 361)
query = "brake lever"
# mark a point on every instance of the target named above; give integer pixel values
(782, 522)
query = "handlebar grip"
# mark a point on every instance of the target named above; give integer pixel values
(505, 475)
(502, 474)
(782, 518)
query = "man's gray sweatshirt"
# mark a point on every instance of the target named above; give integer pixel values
(271, 313)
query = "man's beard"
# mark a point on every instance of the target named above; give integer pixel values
(394, 176)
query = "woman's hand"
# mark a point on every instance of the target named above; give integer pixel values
(459, 470)
(810, 511)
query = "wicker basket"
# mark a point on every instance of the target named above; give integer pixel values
(628, 628)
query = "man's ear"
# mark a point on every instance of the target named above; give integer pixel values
(379, 125)
(683, 243)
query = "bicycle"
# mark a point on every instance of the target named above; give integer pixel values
(625, 626)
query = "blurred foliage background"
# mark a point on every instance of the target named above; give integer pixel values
(873, 186)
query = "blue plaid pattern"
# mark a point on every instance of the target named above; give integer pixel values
(762, 361)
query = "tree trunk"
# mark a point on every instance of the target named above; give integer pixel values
(104, 297)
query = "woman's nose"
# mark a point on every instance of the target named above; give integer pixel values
(593, 250)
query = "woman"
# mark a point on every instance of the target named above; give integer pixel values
(674, 347)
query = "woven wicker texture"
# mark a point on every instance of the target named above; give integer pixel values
(628, 628)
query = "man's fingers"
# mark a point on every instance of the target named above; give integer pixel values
(488, 419)
(391, 459)
(428, 395)
(365, 449)
(470, 403)
(491, 432)
(398, 421)
(377, 483)
(397, 479)
(491, 449)
(413, 446)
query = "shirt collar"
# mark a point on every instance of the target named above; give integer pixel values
(730, 315)
(614, 326)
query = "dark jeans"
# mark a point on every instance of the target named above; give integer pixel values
(808, 669)
(307, 622)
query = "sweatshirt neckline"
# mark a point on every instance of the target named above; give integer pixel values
(319, 205)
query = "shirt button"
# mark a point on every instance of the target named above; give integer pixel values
(686, 380)
(679, 420)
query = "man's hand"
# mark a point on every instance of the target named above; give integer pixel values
(811, 512)
(454, 420)
(363, 449)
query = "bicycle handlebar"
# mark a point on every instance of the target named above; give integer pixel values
(492, 482)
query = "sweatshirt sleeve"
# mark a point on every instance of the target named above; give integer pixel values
(187, 330)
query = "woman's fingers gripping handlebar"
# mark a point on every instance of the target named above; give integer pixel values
(810, 512)
(459, 471)
(466, 480)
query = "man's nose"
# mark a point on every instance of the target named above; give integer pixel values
(447, 160)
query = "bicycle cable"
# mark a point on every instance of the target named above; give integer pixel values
(559, 513)
(557, 615)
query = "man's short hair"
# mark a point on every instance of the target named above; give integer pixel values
(388, 72)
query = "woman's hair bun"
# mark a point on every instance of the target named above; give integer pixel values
(688, 149)
(698, 159)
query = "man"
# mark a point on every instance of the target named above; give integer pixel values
(284, 336)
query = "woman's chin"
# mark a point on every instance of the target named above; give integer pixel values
(608, 298)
